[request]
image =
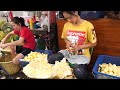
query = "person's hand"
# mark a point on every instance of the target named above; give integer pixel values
(76, 47)
(70, 49)
(68, 44)
(3, 46)
(2, 41)
(15, 61)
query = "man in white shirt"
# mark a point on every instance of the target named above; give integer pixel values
(44, 20)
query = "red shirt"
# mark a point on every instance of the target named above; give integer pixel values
(28, 36)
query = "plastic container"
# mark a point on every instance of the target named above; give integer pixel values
(23, 63)
(49, 52)
(31, 23)
(105, 59)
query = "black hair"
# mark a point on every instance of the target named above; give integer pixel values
(18, 20)
(72, 12)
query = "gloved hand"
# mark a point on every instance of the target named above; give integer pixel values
(55, 57)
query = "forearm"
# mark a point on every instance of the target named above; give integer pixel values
(68, 43)
(88, 45)
(66, 40)
(7, 36)
(14, 43)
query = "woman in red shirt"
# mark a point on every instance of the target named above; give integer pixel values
(26, 39)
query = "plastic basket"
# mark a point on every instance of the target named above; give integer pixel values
(105, 59)
(49, 52)
(8, 66)
(23, 63)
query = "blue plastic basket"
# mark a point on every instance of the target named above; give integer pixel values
(23, 63)
(105, 59)
(49, 52)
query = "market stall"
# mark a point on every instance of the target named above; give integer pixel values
(9, 70)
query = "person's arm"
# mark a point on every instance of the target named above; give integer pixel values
(18, 42)
(91, 38)
(6, 37)
(63, 36)
(68, 43)
(84, 46)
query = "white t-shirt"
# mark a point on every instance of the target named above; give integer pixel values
(44, 21)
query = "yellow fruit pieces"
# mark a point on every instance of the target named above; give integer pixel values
(41, 69)
(35, 55)
(110, 69)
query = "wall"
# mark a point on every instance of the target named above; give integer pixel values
(108, 33)
(60, 24)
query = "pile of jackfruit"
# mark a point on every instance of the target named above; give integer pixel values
(35, 55)
(41, 69)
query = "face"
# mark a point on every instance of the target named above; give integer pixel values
(70, 18)
(15, 26)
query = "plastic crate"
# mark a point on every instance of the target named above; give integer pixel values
(49, 52)
(23, 63)
(105, 59)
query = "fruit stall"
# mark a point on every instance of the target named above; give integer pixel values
(34, 66)
(105, 60)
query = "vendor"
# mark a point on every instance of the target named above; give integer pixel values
(26, 42)
(79, 36)
(44, 20)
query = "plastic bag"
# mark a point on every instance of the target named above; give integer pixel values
(81, 71)
(55, 57)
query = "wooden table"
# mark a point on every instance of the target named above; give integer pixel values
(37, 31)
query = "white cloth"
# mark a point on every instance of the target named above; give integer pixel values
(75, 59)
(78, 59)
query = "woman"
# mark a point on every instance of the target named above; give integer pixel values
(26, 42)
(79, 36)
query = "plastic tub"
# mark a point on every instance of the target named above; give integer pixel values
(105, 59)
